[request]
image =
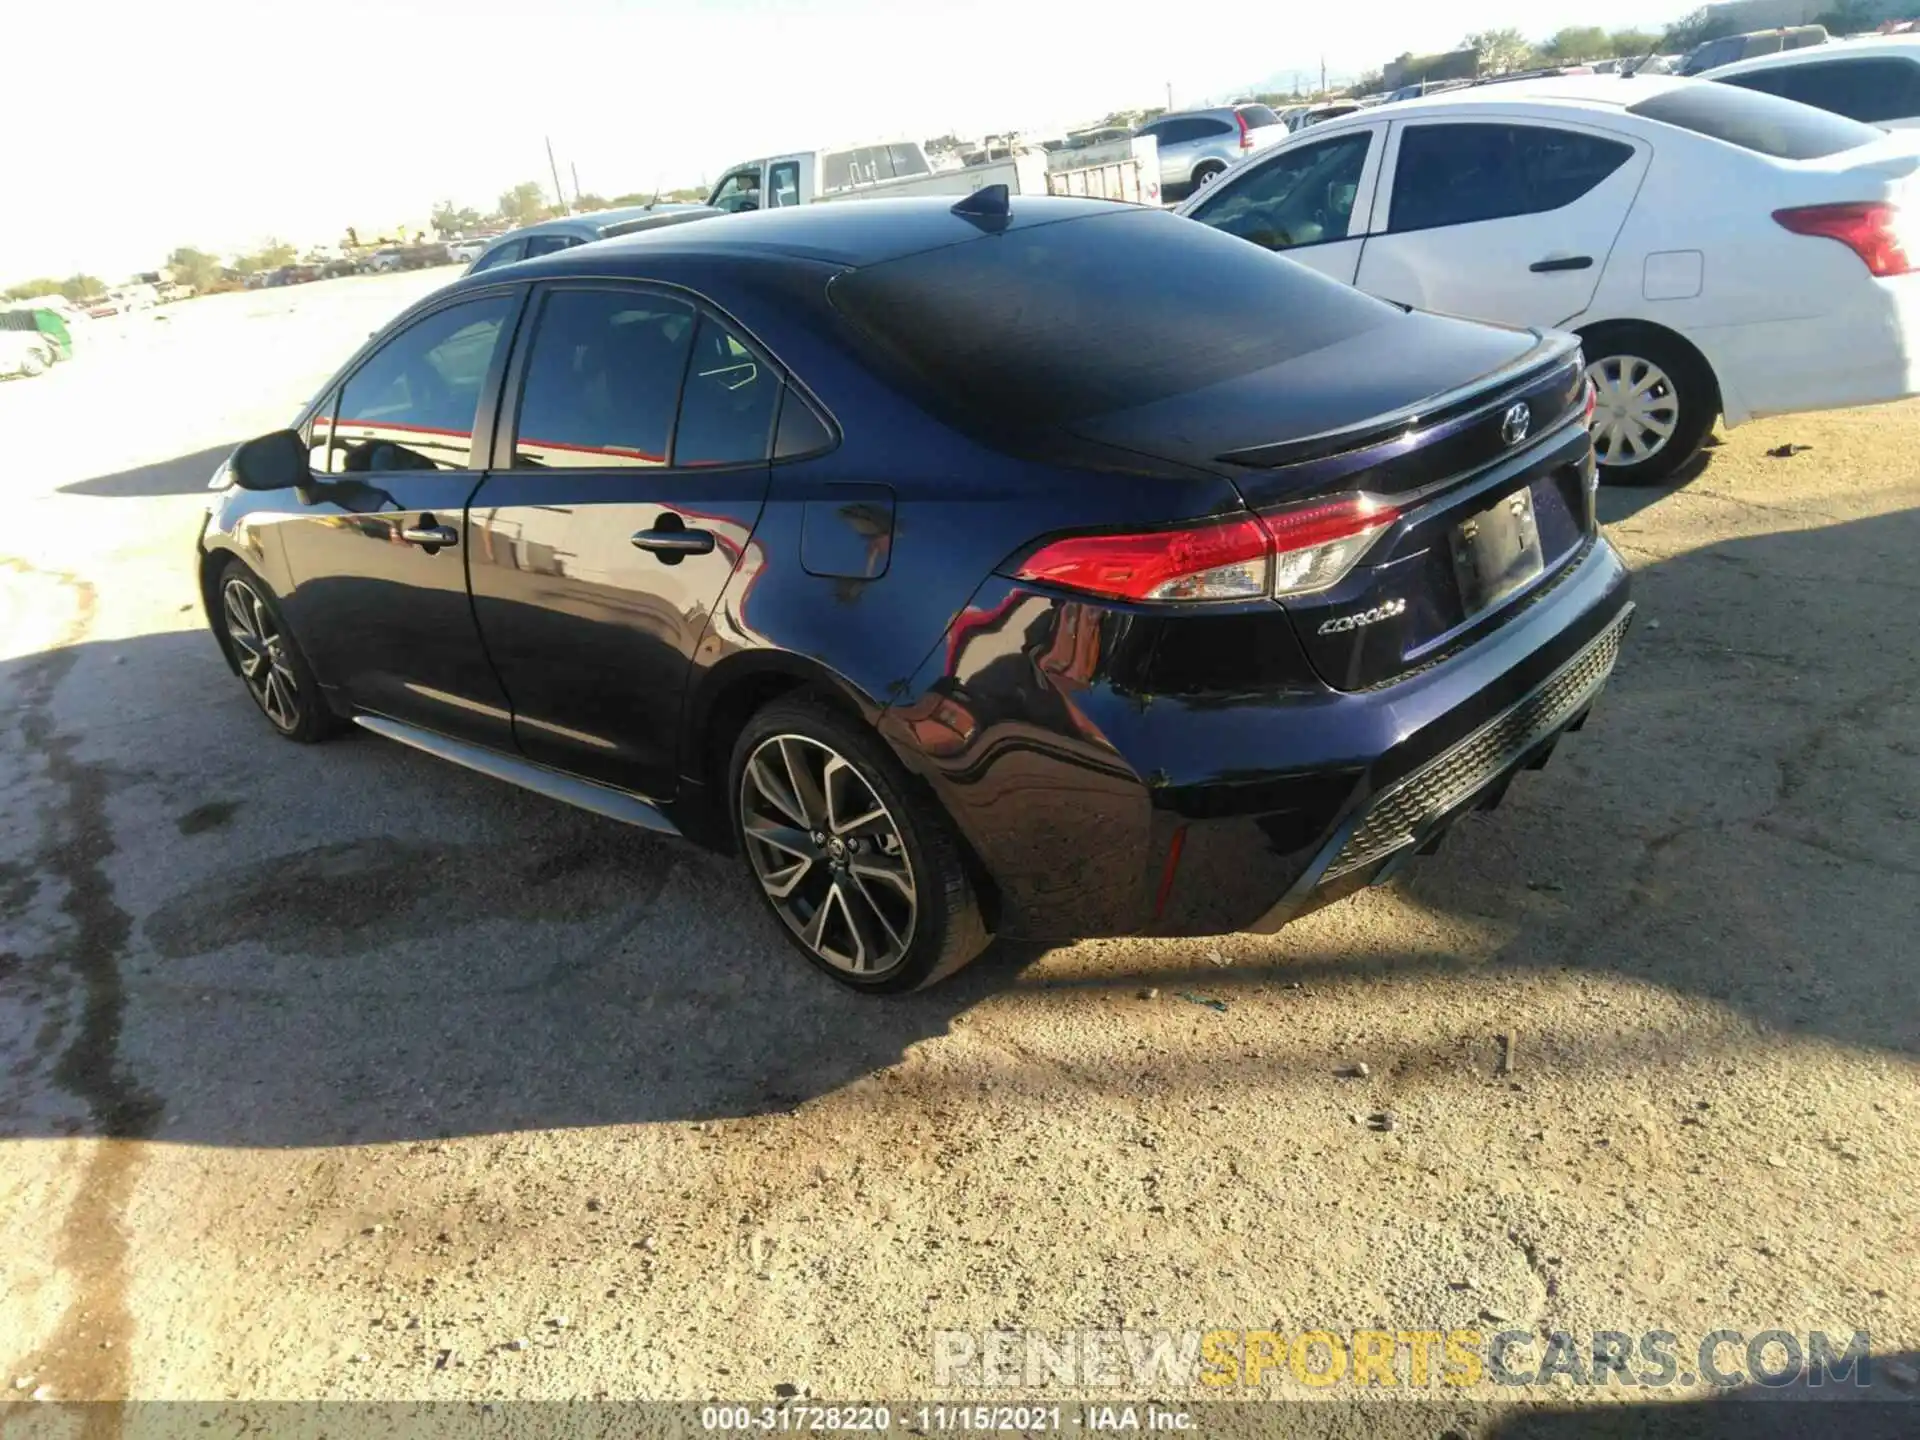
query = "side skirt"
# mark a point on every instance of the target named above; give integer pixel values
(604, 800)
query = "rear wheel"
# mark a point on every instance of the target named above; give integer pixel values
(1205, 173)
(1654, 403)
(32, 363)
(858, 867)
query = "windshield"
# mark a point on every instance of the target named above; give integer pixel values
(1048, 324)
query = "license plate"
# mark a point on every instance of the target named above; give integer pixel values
(1497, 551)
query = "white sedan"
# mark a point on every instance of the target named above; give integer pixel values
(1719, 251)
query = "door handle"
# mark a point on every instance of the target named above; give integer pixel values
(672, 544)
(1561, 262)
(429, 534)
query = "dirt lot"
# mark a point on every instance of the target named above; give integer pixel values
(339, 1072)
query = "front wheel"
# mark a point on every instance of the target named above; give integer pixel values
(269, 659)
(859, 868)
(1654, 404)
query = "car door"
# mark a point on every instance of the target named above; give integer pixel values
(1309, 201)
(1499, 219)
(376, 544)
(631, 473)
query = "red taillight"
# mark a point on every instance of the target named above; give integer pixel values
(1281, 553)
(1591, 404)
(1246, 136)
(1870, 229)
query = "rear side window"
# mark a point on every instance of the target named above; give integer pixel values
(1178, 132)
(907, 160)
(549, 244)
(1765, 124)
(1867, 89)
(1460, 174)
(727, 408)
(501, 255)
(1049, 324)
(602, 380)
(1258, 117)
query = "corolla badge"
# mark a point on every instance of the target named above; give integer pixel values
(1516, 424)
(1383, 611)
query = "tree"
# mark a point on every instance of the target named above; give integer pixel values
(1632, 44)
(33, 289)
(1370, 83)
(1499, 50)
(590, 201)
(449, 219)
(193, 268)
(82, 287)
(1578, 42)
(1851, 17)
(525, 204)
(1696, 29)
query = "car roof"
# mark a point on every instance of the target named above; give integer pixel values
(1837, 49)
(1559, 92)
(850, 233)
(592, 222)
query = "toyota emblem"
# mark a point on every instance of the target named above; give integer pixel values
(1516, 424)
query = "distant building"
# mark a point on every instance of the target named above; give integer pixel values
(1739, 16)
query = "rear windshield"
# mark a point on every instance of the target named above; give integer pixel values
(1756, 121)
(1042, 326)
(1257, 116)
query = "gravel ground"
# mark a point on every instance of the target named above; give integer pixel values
(337, 1072)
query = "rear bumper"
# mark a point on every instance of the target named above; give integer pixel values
(1097, 809)
(1865, 352)
(1409, 816)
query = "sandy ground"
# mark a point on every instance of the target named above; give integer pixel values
(336, 1072)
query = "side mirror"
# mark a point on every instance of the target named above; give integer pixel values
(272, 462)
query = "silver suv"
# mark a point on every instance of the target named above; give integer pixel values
(1197, 145)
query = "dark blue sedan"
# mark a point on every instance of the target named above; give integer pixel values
(1052, 568)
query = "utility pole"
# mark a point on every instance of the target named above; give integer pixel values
(1323, 74)
(576, 181)
(1169, 94)
(553, 165)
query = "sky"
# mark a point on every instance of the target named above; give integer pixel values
(222, 123)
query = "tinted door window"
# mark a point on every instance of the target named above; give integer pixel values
(1459, 174)
(1258, 117)
(783, 184)
(1868, 90)
(1755, 121)
(549, 244)
(602, 380)
(727, 408)
(1302, 197)
(411, 405)
(501, 255)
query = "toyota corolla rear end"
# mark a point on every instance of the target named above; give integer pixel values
(1376, 593)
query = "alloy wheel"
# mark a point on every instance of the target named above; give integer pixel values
(1636, 409)
(829, 854)
(261, 652)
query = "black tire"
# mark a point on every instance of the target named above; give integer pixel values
(1683, 396)
(942, 928)
(1205, 173)
(273, 668)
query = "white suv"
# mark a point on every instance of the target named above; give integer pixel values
(1719, 251)
(1875, 79)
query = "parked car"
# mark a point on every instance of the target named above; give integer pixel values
(22, 352)
(465, 252)
(1316, 114)
(880, 546)
(1577, 202)
(1728, 48)
(1197, 146)
(550, 237)
(43, 321)
(1874, 79)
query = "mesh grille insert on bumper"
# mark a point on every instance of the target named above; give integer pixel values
(1396, 817)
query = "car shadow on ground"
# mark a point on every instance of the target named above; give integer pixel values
(218, 937)
(181, 476)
